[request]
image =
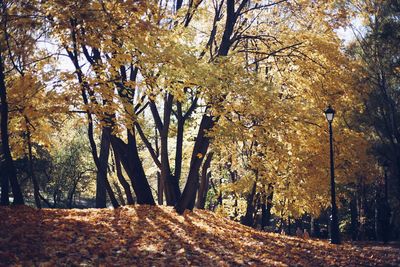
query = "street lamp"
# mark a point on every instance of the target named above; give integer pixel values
(385, 212)
(335, 235)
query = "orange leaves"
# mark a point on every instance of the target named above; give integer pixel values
(146, 235)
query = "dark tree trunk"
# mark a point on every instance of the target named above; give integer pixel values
(101, 191)
(266, 207)
(119, 194)
(123, 181)
(131, 161)
(160, 189)
(219, 200)
(170, 183)
(181, 120)
(235, 207)
(71, 194)
(36, 192)
(264, 215)
(4, 186)
(204, 182)
(103, 186)
(8, 163)
(46, 201)
(200, 149)
(178, 4)
(212, 205)
(257, 207)
(179, 143)
(248, 218)
(229, 26)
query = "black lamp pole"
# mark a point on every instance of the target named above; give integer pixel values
(335, 234)
(385, 214)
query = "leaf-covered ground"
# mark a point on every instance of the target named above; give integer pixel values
(157, 236)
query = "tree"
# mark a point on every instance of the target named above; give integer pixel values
(376, 46)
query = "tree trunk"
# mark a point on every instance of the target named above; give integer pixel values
(267, 206)
(199, 150)
(71, 194)
(179, 144)
(103, 186)
(170, 184)
(119, 194)
(8, 163)
(4, 186)
(160, 189)
(248, 218)
(229, 26)
(36, 192)
(132, 164)
(101, 191)
(178, 4)
(122, 180)
(204, 182)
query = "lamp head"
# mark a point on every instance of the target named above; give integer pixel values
(329, 114)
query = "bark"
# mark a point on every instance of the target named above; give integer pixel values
(266, 207)
(46, 201)
(36, 192)
(8, 167)
(219, 200)
(71, 193)
(170, 183)
(119, 194)
(204, 182)
(101, 192)
(4, 186)
(123, 181)
(212, 205)
(229, 26)
(132, 164)
(103, 185)
(181, 120)
(235, 207)
(256, 218)
(248, 218)
(199, 150)
(178, 4)
(179, 142)
(160, 189)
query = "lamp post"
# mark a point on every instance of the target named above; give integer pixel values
(385, 213)
(335, 235)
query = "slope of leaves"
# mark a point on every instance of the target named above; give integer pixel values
(148, 236)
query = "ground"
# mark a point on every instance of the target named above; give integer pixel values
(157, 236)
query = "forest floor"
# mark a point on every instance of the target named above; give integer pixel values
(157, 236)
